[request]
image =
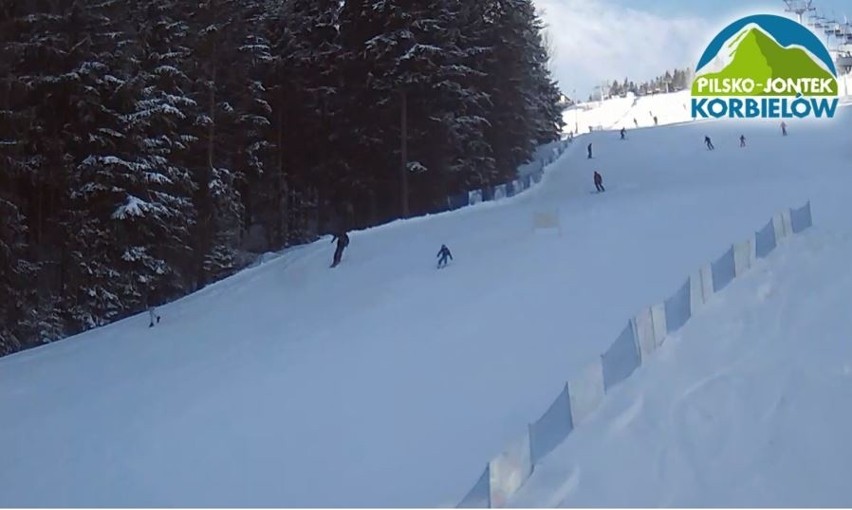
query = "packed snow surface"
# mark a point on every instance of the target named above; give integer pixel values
(386, 382)
(631, 112)
(749, 405)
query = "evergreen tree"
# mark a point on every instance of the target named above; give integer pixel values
(100, 170)
(150, 210)
(216, 69)
(307, 83)
(523, 96)
(16, 320)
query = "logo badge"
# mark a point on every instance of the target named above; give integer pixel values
(765, 67)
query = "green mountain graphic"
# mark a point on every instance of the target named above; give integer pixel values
(759, 57)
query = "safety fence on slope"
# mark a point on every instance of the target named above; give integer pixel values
(528, 175)
(642, 335)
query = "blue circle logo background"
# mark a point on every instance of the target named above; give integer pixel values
(786, 31)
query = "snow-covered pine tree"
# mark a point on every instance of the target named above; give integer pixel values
(369, 183)
(543, 94)
(253, 149)
(416, 53)
(519, 78)
(17, 319)
(152, 211)
(465, 101)
(12, 227)
(266, 203)
(218, 28)
(308, 61)
(105, 167)
(60, 66)
(34, 176)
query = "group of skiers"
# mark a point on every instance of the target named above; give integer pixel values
(444, 254)
(342, 238)
(709, 143)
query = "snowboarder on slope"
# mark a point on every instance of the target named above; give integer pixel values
(742, 141)
(599, 182)
(589, 148)
(708, 143)
(442, 256)
(342, 239)
(783, 128)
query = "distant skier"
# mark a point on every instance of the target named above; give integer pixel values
(655, 121)
(443, 254)
(623, 132)
(342, 239)
(589, 148)
(742, 141)
(152, 315)
(783, 128)
(635, 122)
(599, 182)
(708, 143)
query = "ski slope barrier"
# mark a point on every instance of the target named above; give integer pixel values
(528, 175)
(641, 337)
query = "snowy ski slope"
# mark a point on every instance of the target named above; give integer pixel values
(385, 382)
(615, 113)
(674, 108)
(749, 405)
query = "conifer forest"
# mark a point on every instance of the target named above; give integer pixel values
(151, 147)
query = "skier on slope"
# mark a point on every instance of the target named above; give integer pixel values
(152, 315)
(589, 148)
(783, 128)
(443, 254)
(742, 141)
(342, 239)
(149, 301)
(708, 143)
(599, 182)
(623, 132)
